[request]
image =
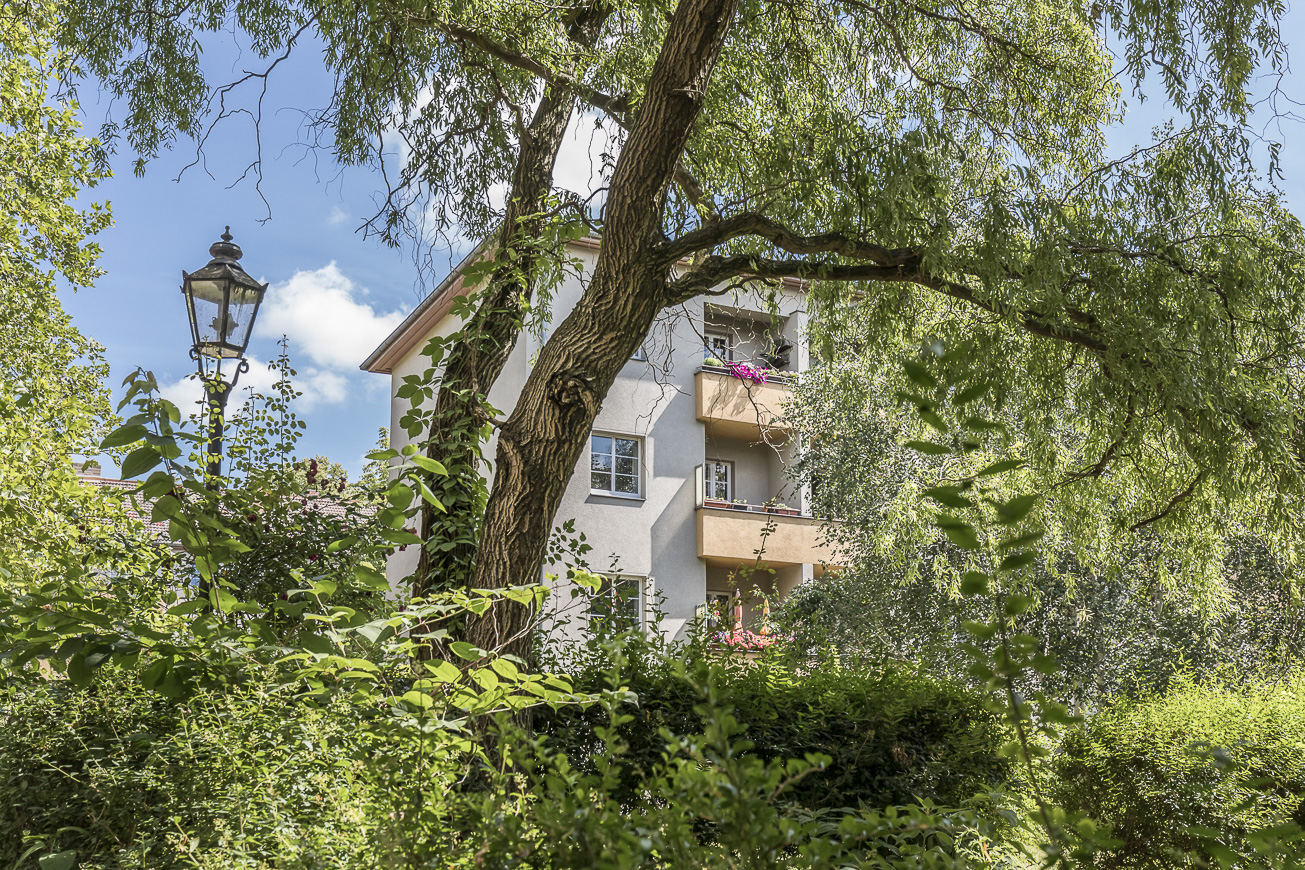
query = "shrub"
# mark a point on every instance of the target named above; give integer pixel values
(1160, 769)
(126, 778)
(892, 737)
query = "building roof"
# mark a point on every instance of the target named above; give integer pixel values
(421, 321)
(426, 317)
(90, 475)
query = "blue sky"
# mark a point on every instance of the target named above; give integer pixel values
(334, 294)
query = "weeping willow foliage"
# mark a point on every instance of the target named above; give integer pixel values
(934, 170)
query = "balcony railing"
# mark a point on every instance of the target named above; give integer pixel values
(735, 406)
(732, 533)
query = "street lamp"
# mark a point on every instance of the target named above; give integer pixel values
(222, 301)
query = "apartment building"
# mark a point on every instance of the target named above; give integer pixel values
(682, 491)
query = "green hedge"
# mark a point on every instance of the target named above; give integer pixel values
(1228, 760)
(126, 778)
(892, 737)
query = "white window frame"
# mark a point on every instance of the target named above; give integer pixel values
(611, 471)
(711, 333)
(715, 596)
(639, 603)
(709, 479)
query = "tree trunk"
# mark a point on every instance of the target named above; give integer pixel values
(542, 440)
(488, 339)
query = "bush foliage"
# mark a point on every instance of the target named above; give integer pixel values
(891, 737)
(1202, 768)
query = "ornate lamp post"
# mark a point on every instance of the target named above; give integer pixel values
(222, 301)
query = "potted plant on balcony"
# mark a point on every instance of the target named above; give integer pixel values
(747, 373)
(778, 507)
(715, 503)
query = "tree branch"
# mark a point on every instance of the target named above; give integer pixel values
(752, 224)
(1173, 503)
(704, 278)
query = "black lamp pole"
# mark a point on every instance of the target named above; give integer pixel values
(222, 301)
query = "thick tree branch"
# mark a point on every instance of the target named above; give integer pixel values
(704, 278)
(751, 224)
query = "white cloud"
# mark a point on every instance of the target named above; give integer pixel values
(318, 387)
(337, 216)
(322, 315)
(581, 166)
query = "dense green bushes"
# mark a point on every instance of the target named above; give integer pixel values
(891, 737)
(118, 778)
(126, 778)
(1199, 757)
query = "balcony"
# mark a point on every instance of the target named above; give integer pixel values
(732, 534)
(733, 407)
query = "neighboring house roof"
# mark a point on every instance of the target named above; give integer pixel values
(90, 474)
(421, 321)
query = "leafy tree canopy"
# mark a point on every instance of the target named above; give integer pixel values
(934, 169)
(52, 397)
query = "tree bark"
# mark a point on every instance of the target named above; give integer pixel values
(488, 339)
(542, 439)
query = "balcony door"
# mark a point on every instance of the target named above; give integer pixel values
(719, 480)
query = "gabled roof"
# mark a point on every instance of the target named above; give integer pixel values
(427, 316)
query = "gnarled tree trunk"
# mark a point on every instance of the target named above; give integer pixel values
(542, 440)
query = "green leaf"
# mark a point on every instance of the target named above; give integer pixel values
(928, 447)
(433, 466)
(933, 420)
(1022, 540)
(155, 673)
(429, 497)
(1017, 604)
(999, 467)
(123, 435)
(948, 496)
(78, 673)
(919, 374)
(1011, 512)
(139, 461)
(464, 650)
(58, 860)
(159, 482)
(418, 699)
(959, 532)
(399, 494)
(343, 543)
(971, 393)
(974, 583)
(506, 669)
(443, 672)
(1015, 561)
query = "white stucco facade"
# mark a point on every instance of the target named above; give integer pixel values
(674, 541)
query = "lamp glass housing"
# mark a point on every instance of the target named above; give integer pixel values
(222, 301)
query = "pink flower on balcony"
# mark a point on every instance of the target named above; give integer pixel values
(741, 638)
(745, 372)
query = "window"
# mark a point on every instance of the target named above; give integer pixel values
(614, 465)
(719, 479)
(618, 605)
(718, 344)
(720, 610)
